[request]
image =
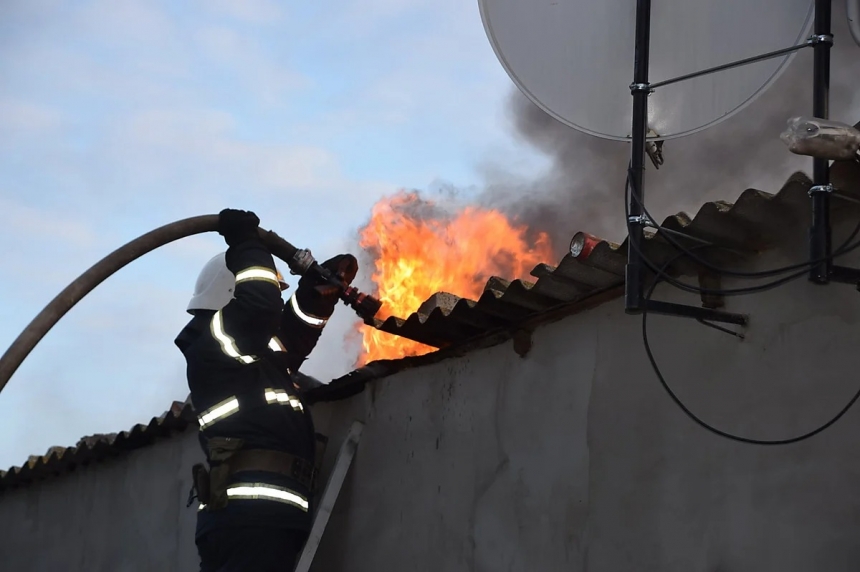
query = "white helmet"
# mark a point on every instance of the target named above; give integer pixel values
(214, 287)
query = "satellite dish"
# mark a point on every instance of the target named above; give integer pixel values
(574, 58)
(852, 8)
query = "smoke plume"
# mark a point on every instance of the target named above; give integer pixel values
(584, 189)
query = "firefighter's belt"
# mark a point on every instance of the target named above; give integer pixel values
(278, 462)
(221, 451)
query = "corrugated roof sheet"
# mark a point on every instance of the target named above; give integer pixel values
(756, 221)
(95, 448)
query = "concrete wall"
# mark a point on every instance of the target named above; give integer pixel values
(572, 458)
(123, 515)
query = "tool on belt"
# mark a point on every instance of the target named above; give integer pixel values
(227, 459)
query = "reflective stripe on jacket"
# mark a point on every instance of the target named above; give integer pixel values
(239, 361)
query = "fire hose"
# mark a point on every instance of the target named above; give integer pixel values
(300, 262)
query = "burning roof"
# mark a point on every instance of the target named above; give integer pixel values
(502, 309)
(421, 248)
(505, 309)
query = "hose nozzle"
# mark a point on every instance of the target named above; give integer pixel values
(365, 306)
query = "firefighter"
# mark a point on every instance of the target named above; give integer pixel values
(243, 348)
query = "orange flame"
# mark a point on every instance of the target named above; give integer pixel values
(420, 249)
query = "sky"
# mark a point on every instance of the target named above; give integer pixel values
(120, 116)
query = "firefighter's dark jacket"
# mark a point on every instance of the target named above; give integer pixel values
(247, 351)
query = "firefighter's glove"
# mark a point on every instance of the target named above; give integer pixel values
(237, 226)
(320, 297)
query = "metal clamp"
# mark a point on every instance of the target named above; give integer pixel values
(640, 87)
(828, 188)
(641, 220)
(816, 39)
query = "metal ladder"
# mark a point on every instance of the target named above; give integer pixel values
(329, 496)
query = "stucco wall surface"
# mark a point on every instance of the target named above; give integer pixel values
(574, 457)
(122, 515)
(570, 458)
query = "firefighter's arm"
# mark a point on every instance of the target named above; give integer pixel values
(308, 310)
(252, 317)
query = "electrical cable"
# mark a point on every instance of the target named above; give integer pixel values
(662, 275)
(716, 269)
(842, 249)
(697, 419)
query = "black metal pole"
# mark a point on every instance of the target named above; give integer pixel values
(819, 232)
(634, 299)
(730, 65)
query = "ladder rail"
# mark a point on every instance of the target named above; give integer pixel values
(329, 496)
